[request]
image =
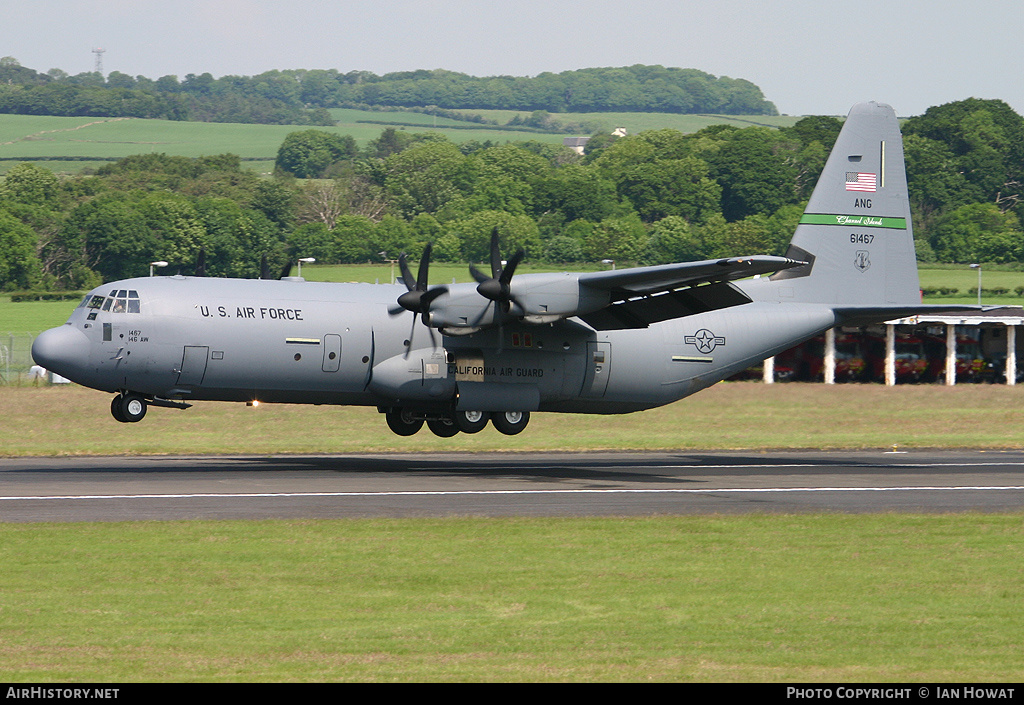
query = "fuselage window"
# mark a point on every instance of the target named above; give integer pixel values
(96, 302)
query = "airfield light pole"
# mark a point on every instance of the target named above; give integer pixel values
(609, 261)
(978, 267)
(384, 256)
(156, 264)
(307, 260)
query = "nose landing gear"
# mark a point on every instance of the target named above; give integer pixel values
(128, 408)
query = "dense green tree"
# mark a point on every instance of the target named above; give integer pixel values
(309, 153)
(514, 231)
(671, 187)
(353, 237)
(985, 137)
(619, 238)
(425, 177)
(978, 232)
(19, 266)
(674, 240)
(754, 179)
(577, 192)
(30, 184)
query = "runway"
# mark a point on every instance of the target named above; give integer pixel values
(492, 484)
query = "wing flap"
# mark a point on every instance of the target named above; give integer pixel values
(643, 311)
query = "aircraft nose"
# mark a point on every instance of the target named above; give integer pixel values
(61, 350)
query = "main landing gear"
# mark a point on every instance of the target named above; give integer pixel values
(405, 422)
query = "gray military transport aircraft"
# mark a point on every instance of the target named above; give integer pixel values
(598, 343)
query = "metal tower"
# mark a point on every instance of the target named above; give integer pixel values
(99, 60)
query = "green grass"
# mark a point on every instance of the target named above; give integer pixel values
(638, 122)
(731, 415)
(29, 137)
(761, 598)
(32, 137)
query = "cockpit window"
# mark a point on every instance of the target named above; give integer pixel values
(119, 301)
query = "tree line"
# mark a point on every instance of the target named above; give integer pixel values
(301, 97)
(655, 197)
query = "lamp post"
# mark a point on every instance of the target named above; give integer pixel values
(978, 267)
(306, 260)
(156, 264)
(609, 261)
(384, 256)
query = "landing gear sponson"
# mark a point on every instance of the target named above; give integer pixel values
(407, 422)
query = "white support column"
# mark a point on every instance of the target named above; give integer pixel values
(830, 356)
(950, 354)
(890, 354)
(769, 371)
(1011, 354)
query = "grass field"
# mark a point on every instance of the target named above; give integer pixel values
(35, 138)
(809, 598)
(29, 138)
(732, 415)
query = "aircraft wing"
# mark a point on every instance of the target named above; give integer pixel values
(644, 295)
(640, 281)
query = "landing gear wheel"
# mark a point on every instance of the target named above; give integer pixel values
(402, 422)
(471, 421)
(115, 409)
(445, 428)
(511, 422)
(128, 408)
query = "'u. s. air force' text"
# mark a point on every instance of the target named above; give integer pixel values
(251, 313)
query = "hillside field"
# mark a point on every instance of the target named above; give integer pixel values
(92, 141)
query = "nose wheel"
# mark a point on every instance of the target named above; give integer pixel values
(128, 408)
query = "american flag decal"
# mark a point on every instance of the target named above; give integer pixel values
(860, 181)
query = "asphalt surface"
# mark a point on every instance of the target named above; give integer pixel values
(493, 484)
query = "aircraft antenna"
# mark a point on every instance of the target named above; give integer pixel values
(98, 51)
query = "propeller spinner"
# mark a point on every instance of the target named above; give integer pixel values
(497, 286)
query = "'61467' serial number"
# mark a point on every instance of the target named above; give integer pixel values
(862, 238)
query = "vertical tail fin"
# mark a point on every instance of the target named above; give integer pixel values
(856, 233)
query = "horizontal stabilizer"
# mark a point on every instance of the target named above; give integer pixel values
(867, 315)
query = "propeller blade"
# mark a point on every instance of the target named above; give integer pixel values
(421, 278)
(407, 279)
(478, 275)
(495, 255)
(510, 267)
